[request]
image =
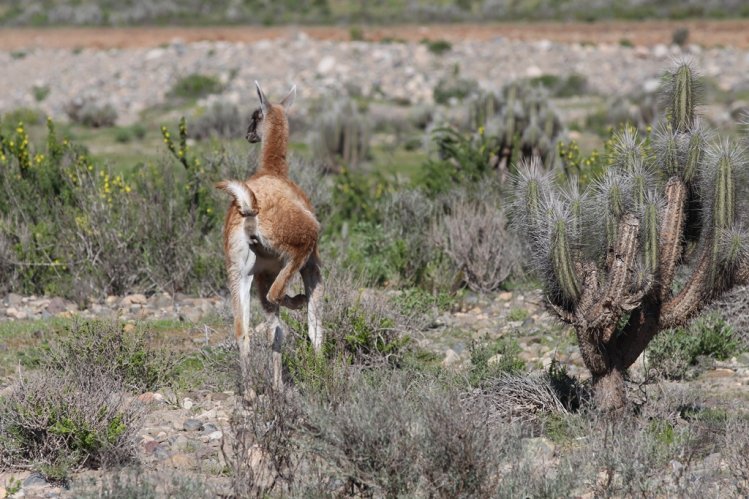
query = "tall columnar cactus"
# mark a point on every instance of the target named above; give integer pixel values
(609, 257)
(520, 119)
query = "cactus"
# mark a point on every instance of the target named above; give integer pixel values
(342, 135)
(615, 287)
(521, 120)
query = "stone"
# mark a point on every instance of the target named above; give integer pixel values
(187, 403)
(150, 446)
(192, 425)
(14, 313)
(326, 64)
(182, 461)
(56, 306)
(34, 480)
(209, 428)
(134, 299)
(505, 296)
(216, 435)
(14, 299)
(451, 358)
(129, 328)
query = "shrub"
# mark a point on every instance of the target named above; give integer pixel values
(195, 85)
(126, 357)
(221, 120)
(90, 113)
(680, 36)
(492, 358)
(437, 47)
(40, 92)
(562, 86)
(672, 352)
(474, 235)
(455, 88)
(57, 422)
(359, 324)
(73, 244)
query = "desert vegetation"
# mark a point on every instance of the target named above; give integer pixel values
(445, 371)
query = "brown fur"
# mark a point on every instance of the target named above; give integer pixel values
(277, 225)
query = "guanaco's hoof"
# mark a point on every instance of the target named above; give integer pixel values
(292, 302)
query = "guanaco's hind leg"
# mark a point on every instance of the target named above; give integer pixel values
(274, 325)
(240, 300)
(313, 288)
(277, 293)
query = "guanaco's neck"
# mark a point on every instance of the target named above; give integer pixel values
(274, 146)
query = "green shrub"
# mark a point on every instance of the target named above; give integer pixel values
(123, 135)
(437, 47)
(673, 351)
(456, 88)
(40, 92)
(491, 358)
(91, 114)
(127, 357)
(562, 86)
(195, 85)
(57, 422)
(356, 34)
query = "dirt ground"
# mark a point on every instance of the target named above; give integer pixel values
(706, 33)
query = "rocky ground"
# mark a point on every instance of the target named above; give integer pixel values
(186, 434)
(133, 80)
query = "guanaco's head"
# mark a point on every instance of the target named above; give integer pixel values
(269, 115)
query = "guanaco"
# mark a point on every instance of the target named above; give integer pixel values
(270, 234)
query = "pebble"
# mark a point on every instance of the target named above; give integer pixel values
(192, 425)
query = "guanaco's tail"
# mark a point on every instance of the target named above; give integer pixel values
(243, 195)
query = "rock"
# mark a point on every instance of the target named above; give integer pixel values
(34, 480)
(150, 397)
(3, 492)
(495, 359)
(14, 300)
(14, 313)
(55, 306)
(326, 64)
(719, 373)
(451, 358)
(150, 446)
(135, 299)
(505, 296)
(192, 425)
(129, 328)
(216, 435)
(209, 428)
(182, 461)
(187, 403)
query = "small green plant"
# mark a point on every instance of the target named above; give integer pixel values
(437, 47)
(356, 34)
(454, 88)
(680, 36)
(90, 113)
(673, 352)
(195, 85)
(40, 92)
(123, 135)
(517, 314)
(626, 42)
(489, 359)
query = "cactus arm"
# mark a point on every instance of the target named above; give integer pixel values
(606, 311)
(682, 99)
(679, 309)
(672, 229)
(562, 264)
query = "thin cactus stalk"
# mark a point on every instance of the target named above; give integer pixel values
(564, 271)
(618, 295)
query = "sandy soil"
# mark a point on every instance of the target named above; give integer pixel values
(706, 33)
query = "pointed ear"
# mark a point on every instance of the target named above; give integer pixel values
(263, 99)
(242, 194)
(289, 99)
